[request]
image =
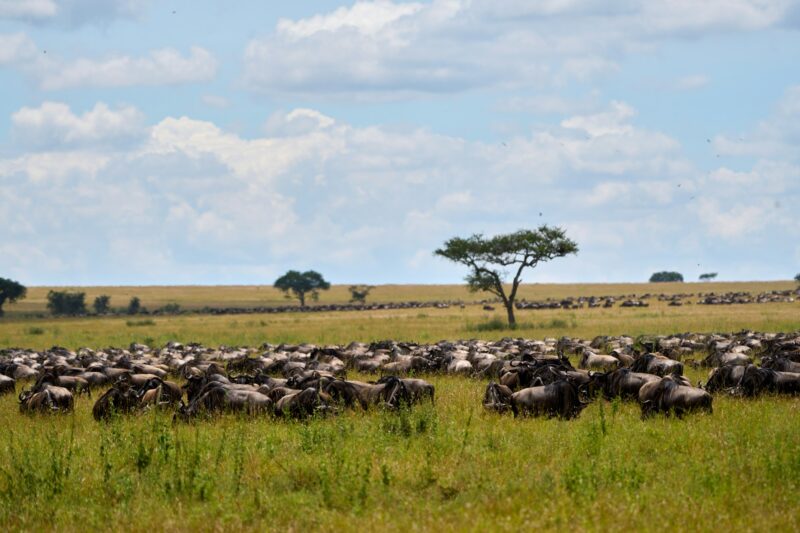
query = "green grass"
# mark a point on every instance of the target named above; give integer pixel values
(450, 467)
(429, 325)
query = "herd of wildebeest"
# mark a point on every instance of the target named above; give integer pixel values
(527, 377)
(571, 302)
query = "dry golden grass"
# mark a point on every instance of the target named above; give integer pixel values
(193, 297)
(422, 325)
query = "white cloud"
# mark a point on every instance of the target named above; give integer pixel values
(368, 18)
(16, 48)
(54, 124)
(24, 9)
(165, 66)
(615, 121)
(392, 50)
(692, 82)
(732, 222)
(215, 100)
(776, 137)
(71, 12)
(367, 203)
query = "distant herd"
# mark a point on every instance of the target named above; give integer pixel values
(526, 377)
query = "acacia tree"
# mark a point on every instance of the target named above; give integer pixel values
(797, 278)
(10, 291)
(299, 284)
(708, 276)
(359, 293)
(666, 276)
(490, 258)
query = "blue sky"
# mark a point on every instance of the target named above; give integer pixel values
(216, 142)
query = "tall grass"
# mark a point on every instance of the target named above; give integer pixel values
(448, 466)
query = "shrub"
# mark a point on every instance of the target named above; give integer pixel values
(663, 276)
(66, 303)
(134, 306)
(102, 304)
(170, 309)
(137, 323)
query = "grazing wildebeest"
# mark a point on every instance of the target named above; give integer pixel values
(623, 383)
(728, 377)
(118, 399)
(497, 398)
(418, 389)
(303, 404)
(659, 365)
(667, 396)
(7, 384)
(561, 399)
(390, 392)
(46, 399)
(780, 363)
(590, 360)
(756, 380)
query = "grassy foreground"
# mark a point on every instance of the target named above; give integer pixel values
(450, 467)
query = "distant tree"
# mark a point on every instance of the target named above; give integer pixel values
(11, 291)
(134, 306)
(102, 304)
(299, 284)
(359, 293)
(171, 309)
(488, 258)
(797, 278)
(708, 276)
(659, 277)
(66, 303)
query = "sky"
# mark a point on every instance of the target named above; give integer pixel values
(211, 142)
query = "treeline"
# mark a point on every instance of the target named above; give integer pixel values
(67, 303)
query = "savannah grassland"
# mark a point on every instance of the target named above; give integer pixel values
(447, 467)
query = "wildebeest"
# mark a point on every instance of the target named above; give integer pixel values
(780, 363)
(222, 397)
(118, 399)
(303, 404)
(561, 399)
(7, 385)
(727, 377)
(497, 398)
(651, 363)
(756, 380)
(667, 396)
(590, 360)
(46, 399)
(418, 389)
(623, 383)
(391, 392)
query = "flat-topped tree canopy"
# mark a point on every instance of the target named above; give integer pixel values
(302, 283)
(10, 291)
(489, 258)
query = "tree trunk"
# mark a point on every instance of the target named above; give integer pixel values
(510, 310)
(302, 297)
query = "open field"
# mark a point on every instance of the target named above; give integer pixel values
(449, 467)
(193, 297)
(422, 325)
